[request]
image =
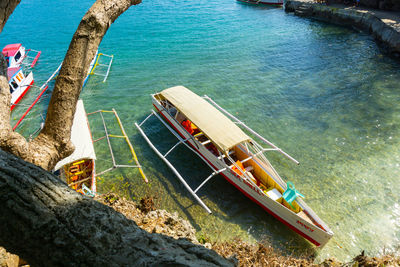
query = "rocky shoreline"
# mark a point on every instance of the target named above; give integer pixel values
(154, 220)
(159, 221)
(384, 26)
(242, 253)
(150, 219)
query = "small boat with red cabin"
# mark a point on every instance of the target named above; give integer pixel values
(17, 55)
(19, 81)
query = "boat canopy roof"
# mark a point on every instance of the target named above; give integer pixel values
(80, 137)
(216, 126)
(10, 50)
(12, 71)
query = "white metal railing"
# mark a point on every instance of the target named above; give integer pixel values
(138, 126)
(164, 157)
(251, 130)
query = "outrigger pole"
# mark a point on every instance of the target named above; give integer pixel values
(43, 89)
(163, 157)
(130, 146)
(103, 65)
(35, 58)
(251, 130)
(124, 136)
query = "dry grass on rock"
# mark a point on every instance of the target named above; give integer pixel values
(148, 218)
(258, 254)
(163, 222)
(264, 255)
(160, 221)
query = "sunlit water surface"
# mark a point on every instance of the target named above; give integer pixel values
(323, 93)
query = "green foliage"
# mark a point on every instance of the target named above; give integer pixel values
(203, 238)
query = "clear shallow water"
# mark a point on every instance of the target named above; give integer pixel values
(324, 94)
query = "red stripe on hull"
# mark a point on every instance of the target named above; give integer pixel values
(30, 107)
(21, 96)
(244, 192)
(273, 214)
(36, 59)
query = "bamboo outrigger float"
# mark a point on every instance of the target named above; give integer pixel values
(124, 136)
(95, 63)
(200, 124)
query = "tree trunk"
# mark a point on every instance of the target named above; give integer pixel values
(6, 8)
(42, 219)
(48, 224)
(53, 142)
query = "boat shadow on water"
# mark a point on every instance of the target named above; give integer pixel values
(165, 185)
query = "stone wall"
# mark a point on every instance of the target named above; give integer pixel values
(386, 34)
(382, 4)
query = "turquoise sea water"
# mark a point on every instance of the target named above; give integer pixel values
(325, 94)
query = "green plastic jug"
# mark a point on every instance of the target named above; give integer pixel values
(291, 193)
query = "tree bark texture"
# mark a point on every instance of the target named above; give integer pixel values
(49, 224)
(53, 142)
(6, 8)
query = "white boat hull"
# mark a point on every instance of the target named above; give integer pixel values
(17, 95)
(311, 232)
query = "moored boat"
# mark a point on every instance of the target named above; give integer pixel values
(19, 81)
(200, 124)
(262, 2)
(78, 169)
(42, 89)
(16, 54)
(19, 84)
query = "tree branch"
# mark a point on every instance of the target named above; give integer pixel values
(6, 9)
(53, 142)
